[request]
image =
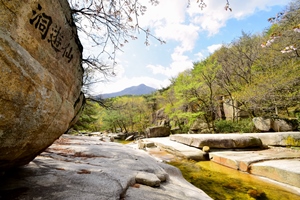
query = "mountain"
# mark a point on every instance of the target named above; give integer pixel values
(134, 90)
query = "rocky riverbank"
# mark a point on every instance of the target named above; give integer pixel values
(267, 155)
(80, 167)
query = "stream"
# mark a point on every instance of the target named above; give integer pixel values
(221, 182)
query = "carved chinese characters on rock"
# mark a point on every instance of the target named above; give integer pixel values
(51, 32)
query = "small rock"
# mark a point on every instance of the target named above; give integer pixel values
(129, 138)
(162, 176)
(206, 149)
(148, 179)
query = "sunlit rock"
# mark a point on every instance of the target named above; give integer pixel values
(41, 77)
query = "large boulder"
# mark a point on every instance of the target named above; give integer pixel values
(282, 125)
(262, 124)
(41, 77)
(158, 131)
(265, 124)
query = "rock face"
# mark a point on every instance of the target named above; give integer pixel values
(41, 77)
(160, 118)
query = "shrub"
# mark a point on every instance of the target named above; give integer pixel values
(228, 126)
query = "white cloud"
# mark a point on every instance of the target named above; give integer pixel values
(214, 16)
(186, 35)
(214, 47)
(199, 56)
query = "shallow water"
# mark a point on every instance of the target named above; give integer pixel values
(222, 183)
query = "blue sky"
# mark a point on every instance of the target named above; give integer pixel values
(191, 34)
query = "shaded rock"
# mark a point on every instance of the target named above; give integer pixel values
(198, 127)
(281, 125)
(41, 77)
(148, 179)
(160, 118)
(158, 131)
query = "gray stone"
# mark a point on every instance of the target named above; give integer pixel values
(262, 124)
(148, 179)
(281, 125)
(81, 167)
(278, 124)
(178, 149)
(279, 138)
(219, 141)
(145, 144)
(284, 171)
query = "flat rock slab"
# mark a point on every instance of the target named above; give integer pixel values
(87, 168)
(284, 171)
(278, 138)
(178, 149)
(277, 163)
(218, 141)
(238, 140)
(242, 160)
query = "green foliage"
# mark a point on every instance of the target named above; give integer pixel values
(258, 81)
(229, 126)
(128, 114)
(88, 120)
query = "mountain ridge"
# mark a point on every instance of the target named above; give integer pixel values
(141, 89)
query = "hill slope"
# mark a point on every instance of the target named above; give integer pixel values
(134, 90)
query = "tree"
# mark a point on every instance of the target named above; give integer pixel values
(109, 24)
(239, 61)
(128, 113)
(88, 120)
(285, 31)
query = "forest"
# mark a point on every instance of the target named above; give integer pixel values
(255, 75)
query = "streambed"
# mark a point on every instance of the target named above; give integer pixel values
(221, 182)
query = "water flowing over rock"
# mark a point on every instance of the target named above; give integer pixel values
(41, 77)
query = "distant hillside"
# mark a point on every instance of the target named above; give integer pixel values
(134, 90)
